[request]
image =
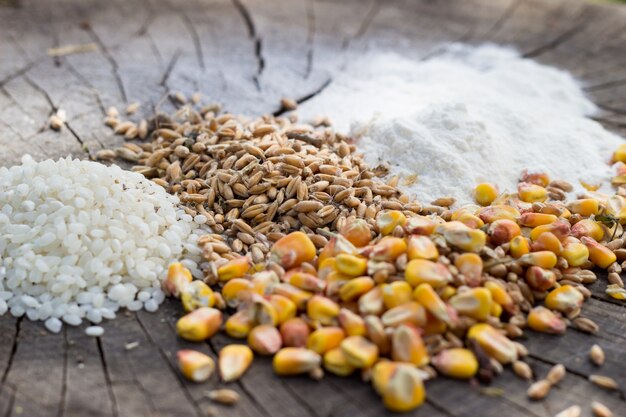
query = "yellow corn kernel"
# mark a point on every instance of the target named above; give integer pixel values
(351, 265)
(236, 268)
(295, 332)
(359, 352)
(427, 297)
(420, 225)
(351, 323)
(234, 361)
(502, 231)
(387, 249)
(235, 290)
(576, 254)
(599, 254)
(336, 277)
(456, 363)
(615, 291)
(501, 296)
(295, 294)
(200, 324)
(405, 389)
(566, 299)
(265, 339)
(547, 241)
(543, 320)
(470, 220)
(406, 313)
(531, 193)
(335, 362)
(239, 324)
(295, 361)
(397, 293)
(355, 288)
(560, 228)
(495, 344)
(325, 338)
(263, 282)
(292, 250)
(465, 209)
(322, 309)
(446, 292)
(195, 295)
(177, 278)
(372, 301)
(388, 220)
(620, 154)
(263, 311)
(325, 267)
(475, 303)
(408, 346)
(459, 235)
(285, 308)
(589, 228)
(485, 193)
(500, 211)
(519, 246)
(357, 232)
(585, 206)
(540, 279)
(537, 219)
(376, 333)
(195, 366)
(420, 271)
(421, 247)
(381, 373)
(496, 310)
(544, 259)
(307, 282)
(471, 266)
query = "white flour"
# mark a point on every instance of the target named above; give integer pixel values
(470, 115)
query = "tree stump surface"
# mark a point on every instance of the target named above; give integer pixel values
(247, 55)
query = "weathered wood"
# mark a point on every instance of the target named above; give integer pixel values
(247, 55)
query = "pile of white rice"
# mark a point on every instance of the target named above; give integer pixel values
(79, 240)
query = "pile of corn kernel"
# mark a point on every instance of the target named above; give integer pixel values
(413, 296)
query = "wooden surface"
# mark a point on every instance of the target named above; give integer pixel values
(247, 54)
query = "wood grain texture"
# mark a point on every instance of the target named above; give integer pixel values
(247, 54)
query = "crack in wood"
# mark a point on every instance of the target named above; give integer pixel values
(5, 374)
(170, 68)
(197, 45)
(107, 378)
(312, 411)
(20, 72)
(307, 97)
(258, 44)
(63, 395)
(560, 39)
(501, 21)
(310, 38)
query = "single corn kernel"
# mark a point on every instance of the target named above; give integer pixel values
(285, 308)
(236, 268)
(446, 292)
(544, 320)
(351, 323)
(615, 291)
(177, 278)
(496, 310)
(475, 303)
(537, 178)
(335, 362)
(325, 338)
(471, 266)
(419, 271)
(357, 232)
(325, 267)
(566, 299)
(519, 246)
(295, 294)
(405, 389)
(372, 301)
(195, 366)
(500, 211)
(322, 309)
(502, 231)
(295, 332)
(388, 220)
(540, 279)
(470, 220)
(239, 324)
(292, 250)
(355, 288)
(295, 361)
(407, 346)
(493, 342)
(234, 361)
(620, 154)
(359, 352)
(397, 293)
(589, 228)
(376, 333)
(500, 296)
(195, 295)
(537, 219)
(265, 339)
(547, 241)
(420, 225)
(306, 282)
(351, 265)
(456, 363)
(485, 193)
(421, 247)
(381, 373)
(459, 235)
(599, 254)
(236, 290)
(585, 207)
(263, 281)
(263, 311)
(544, 259)
(407, 313)
(531, 193)
(387, 249)
(200, 324)
(576, 254)
(560, 228)
(426, 296)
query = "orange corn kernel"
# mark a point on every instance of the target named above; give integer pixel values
(200, 324)
(295, 294)
(560, 228)
(544, 259)
(195, 366)
(177, 278)
(500, 296)
(421, 247)
(322, 309)
(502, 231)
(236, 268)
(426, 296)
(397, 293)
(589, 228)
(475, 303)
(497, 345)
(307, 282)
(420, 271)
(537, 219)
(575, 253)
(519, 246)
(295, 332)
(351, 265)
(351, 323)
(500, 211)
(387, 249)
(265, 339)
(599, 254)
(471, 266)
(196, 294)
(456, 363)
(285, 308)
(325, 338)
(538, 178)
(357, 232)
(566, 299)
(585, 206)
(547, 241)
(355, 288)
(292, 250)
(420, 225)
(388, 220)
(295, 361)
(540, 279)
(459, 235)
(543, 320)
(407, 313)
(470, 220)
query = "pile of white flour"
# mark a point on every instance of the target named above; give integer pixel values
(468, 115)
